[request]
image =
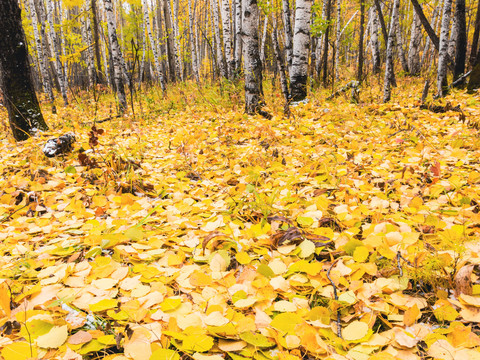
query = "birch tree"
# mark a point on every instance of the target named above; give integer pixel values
(301, 44)
(218, 41)
(238, 35)
(193, 50)
(24, 112)
(287, 26)
(280, 63)
(251, 58)
(55, 46)
(116, 55)
(227, 37)
(374, 42)
(89, 54)
(337, 37)
(443, 48)
(389, 68)
(414, 65)
(158, 67)
(42, 59)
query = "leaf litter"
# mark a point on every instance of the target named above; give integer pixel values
(343, 234)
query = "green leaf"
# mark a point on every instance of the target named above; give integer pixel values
(256, 340)
(70, 170)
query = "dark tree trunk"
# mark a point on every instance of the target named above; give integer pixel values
(473, 51)
(360, 42)
(251, 58)
(426, 25)
(170, 45)
(325, 46)
(20, 99)
(382, 21)
(461, 39)
(96, 42)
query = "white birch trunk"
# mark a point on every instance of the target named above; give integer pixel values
(227, 36)
(54, 45)
(116, 54)
(414, 65)
(264, 39)
(87, 35)
(287, 26)
(301, 44)
(238, 35)
(177, 47)
(156, 59)
(191, 17)
(443, 50)
(453, 38)
(389, 69)
(374, 42)
(218, 42)
(400, 46)
(42, 60)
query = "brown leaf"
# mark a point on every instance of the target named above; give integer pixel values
(463, 280)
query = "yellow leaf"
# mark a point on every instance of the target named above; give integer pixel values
(103, 305)
(360, 254)
(200, 343)
(411, 315)
(356, 330)
(170, 304)
(165, 354)
(20, 350)
(54, 338)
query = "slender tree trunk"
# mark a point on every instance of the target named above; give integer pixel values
(461, 39)
(89, 54)
(374, 43)
(325, 43)
(414, 65)
(191, 13)
(227, 37)
(389, 66)
(116, 55)
(360, 42)
(144, 53)
(288, 33)
(301, 44)
(264, 39)
(400, 46)
(280, 63)
(443, 49)
(473, 51)
(156, 59)
(218, 41)
(238, 36)
(96, 40)
(42, 60)
(251, 58)
(378, 7)
(426, 25)
(170, 41)
(176, 42)
(54, 45)
(453, 38)
(21, 101)
(337, 37)
(428, 41)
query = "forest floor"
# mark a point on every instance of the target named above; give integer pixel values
(190, 230)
